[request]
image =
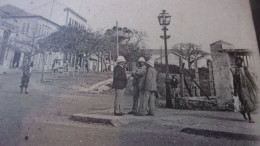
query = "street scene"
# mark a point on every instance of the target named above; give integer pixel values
(122, 73)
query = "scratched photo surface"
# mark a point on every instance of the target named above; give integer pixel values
(128, 72)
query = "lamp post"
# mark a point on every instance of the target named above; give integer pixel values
(164, 20)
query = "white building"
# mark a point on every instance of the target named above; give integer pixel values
(25, 31)
(74, 19)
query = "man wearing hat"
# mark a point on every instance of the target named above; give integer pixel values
(245, 88)
(119, 84)
(148, 90)
(138, 77)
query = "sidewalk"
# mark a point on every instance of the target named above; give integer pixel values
(214, 121)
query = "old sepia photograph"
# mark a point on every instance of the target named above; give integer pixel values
(129, 72)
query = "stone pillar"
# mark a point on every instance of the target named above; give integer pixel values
(181, 77)
(222, 75)
(211, 79)
(197, 78)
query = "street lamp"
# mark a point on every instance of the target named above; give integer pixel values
(164, 20)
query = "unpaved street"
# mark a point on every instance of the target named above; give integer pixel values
(42, 118)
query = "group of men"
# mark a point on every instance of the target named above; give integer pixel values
(145, 87)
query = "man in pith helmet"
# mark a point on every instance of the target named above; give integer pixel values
(138, 75)
(119, 84)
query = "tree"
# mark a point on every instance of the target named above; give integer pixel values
(134, 48)
(67, 40)
(131, 42)
(190, 51)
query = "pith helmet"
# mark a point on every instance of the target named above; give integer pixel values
(141, 59)
(239, 59)
(120, 59)
(150, 62)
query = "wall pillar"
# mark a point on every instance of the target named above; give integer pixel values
(222, 75)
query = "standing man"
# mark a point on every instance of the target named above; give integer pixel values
(26, 78)
(174, 85)
(149, 90)
(138, 75)
(245, 88)
(119, 84)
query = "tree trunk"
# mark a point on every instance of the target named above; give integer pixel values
(110, 69)
(98, 62)
(43, 63)
(102, 61)
(84, 68)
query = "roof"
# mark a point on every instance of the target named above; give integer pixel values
(32, 16)
(10, 10)
(69, 9)
(221, 42)
(236, 51)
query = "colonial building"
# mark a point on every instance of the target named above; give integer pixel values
(21, 33)
(74, 19)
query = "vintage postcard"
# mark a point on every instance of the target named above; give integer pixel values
(129, 72)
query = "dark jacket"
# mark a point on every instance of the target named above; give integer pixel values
(119, 81)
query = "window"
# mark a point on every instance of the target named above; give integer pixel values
(69, 22)
(40, 30)
(23, 28)
(27, 28)
(72, 22)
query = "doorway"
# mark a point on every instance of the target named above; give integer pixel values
(16, 60)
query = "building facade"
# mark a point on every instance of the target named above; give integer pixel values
(19, 33)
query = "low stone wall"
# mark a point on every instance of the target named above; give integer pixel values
(196, 103)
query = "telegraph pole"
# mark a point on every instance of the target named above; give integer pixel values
(117, 45)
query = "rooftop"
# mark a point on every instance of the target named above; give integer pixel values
(236, 51)
(31, 16)
(73, 12)
(10, 10)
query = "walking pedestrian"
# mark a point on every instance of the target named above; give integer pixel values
(245, 88)
(25, 78)
(137, 76)
(148, 91)
(119, 84)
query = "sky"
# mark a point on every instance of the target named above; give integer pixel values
(198, 21)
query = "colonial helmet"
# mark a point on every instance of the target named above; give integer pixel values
(239, 59)
(150, 62)
(141, 59)
(120, 59)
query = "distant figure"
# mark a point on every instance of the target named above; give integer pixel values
(174, 86)
(55, 66)
(94, 66)
(148, 91)
(245, 88)
(86, 66)
(66, 66)
(119, 84)
(31, 66)
(25, 78)
(138, 75)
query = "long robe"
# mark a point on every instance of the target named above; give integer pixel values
(246, 89)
